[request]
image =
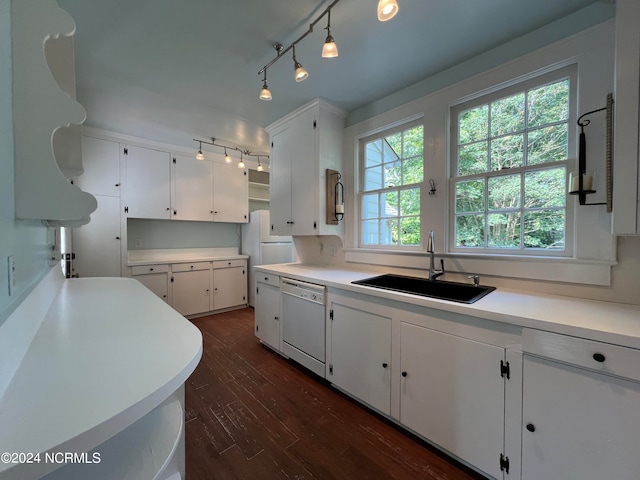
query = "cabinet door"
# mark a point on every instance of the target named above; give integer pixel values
(147, 188)
(156, 282)
(101, 161)
(230, 193)
(191, 189)
(305, 176)
(229, 287)
(452, 393)
(97, 244)
(585, 424)
(190, 291)
(267, 314)
(280, 183)
(361, 355)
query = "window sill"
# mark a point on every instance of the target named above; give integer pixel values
(556, 269)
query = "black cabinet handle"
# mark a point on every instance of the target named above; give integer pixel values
(404, 374)
(531, 427)
(385, 365)
(151, 269)
(598, 357)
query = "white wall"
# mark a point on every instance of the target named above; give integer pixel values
(28, 241)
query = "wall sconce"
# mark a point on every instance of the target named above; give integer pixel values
(582, 182)
(334, 197)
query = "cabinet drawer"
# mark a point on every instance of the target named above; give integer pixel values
(229, 263)
(601, 357)
(189, 267)
(145, 269)
(268, 278)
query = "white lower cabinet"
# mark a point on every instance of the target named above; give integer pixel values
(360, 360)
(267, 310)
(155, 278)
(579, 423)
(229, 284)
(452, 393)
(191, 287)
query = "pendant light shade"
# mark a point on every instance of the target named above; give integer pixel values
(300, 73)
(241, 163)
(387, 9)
(200, 155)
(260, 168)
(329, 49)
(265, 93)
(227, 158)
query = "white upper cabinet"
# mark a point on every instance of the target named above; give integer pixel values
(101, 159)
(303, 145)
(191, 189)
(230, 193)
(43, 106)
(626, 214)
(146, 187)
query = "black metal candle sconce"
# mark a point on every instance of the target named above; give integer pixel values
(339, 198)
(585, 184)
(334, 197)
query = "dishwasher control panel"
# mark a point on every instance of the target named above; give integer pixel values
(306, 291)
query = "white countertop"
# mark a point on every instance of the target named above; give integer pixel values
(107, 352)
(609, 322)
(181, 255)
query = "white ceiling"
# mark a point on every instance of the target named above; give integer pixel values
(191, 66)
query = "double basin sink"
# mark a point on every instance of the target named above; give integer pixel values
(443, 290)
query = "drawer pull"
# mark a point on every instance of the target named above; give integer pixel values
(531, 427)
(385, 365)
(151, 269)
(404, 374)
(598, 357)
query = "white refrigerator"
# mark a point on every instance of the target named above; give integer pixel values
(262, 247)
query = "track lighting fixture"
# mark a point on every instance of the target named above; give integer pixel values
(227, 158)
(329, 49)
(265, 93)
(200, 155)
(387, 9)
(300, 73)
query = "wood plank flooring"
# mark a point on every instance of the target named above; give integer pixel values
(251, 414)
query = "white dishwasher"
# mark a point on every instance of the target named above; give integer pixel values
(303, 323)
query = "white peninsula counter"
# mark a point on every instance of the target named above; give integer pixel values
(97, 388)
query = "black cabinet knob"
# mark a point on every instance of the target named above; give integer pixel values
(385, 365)
(598, 357)
(404, 374)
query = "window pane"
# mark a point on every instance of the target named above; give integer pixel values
(548, 144)
(473, 158)
(504, 192)
(389, 232)
(504, 230)
(507, 152)
(391, 146)
(389, 204)
(507, 115)
(470, 196)
(372, 178)
(410, 202)
(470, 231)
(544, 229)
(412, 142)
(393, 175)
(545, 188)
(549, 103)
(370, 232)
(370, 206)
(373, 153)
(473, 125)
(412, 171)
(410, 231)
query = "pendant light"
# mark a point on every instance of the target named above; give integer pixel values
(260, 167)
(329, 49)
(387, 9)
(241, 164)
(300, 73)
(227, 158)
(200, 155)
(265, 93)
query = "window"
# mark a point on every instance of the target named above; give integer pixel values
(510, 155)
(391, 182)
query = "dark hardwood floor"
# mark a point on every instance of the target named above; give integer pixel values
(251, 414)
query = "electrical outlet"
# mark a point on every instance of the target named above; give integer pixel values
(137, 243)
(11, 268)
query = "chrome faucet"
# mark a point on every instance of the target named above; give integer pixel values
(433, 273)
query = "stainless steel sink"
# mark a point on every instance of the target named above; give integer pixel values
(453, 291)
